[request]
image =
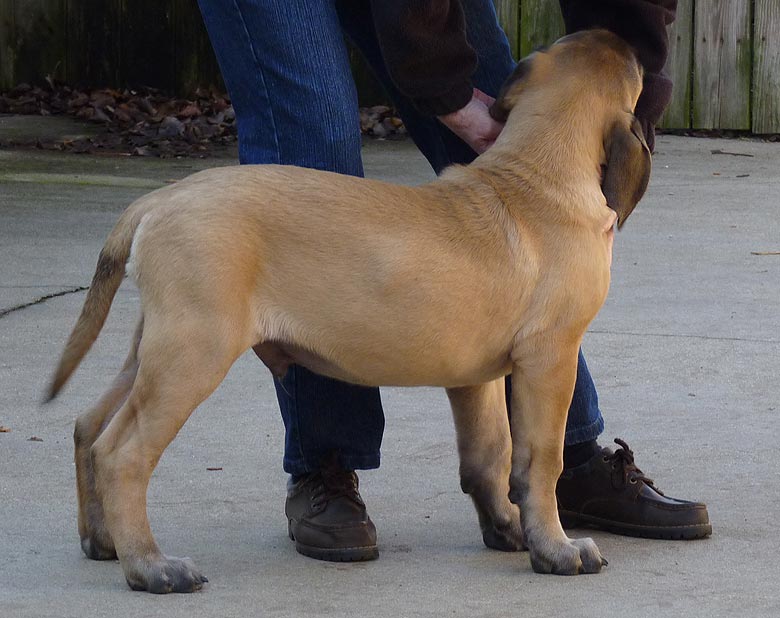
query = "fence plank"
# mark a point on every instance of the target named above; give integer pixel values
(147, 52)
(541, 23)
(93, 28)
(195, 63)
(34, 40)
(722, 57)
(678, 67)
(7, 46)
(766, 70)
(508, 12)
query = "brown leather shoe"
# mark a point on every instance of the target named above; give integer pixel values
(610, 493)
(326, 516)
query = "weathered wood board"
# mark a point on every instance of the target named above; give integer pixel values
(766, 67)
(722, 55)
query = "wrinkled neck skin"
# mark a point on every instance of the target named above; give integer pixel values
(553, 154)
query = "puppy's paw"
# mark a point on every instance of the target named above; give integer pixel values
(570, 557)
(591, 557)
(164, 574)
(504, 539)
(98, 547)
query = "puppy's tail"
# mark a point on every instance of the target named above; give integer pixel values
(108, 276)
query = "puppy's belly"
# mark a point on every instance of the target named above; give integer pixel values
(389, 369)
(278, 357)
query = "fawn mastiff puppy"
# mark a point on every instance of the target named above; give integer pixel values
(494, 268)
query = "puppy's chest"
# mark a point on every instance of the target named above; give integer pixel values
(578, 264)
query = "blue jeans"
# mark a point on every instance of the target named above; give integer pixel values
(286, 68)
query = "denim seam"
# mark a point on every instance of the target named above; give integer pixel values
(294, 419)
(261, 73)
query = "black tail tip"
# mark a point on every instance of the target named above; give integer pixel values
(50, 394)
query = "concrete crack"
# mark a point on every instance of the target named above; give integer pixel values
(682, 336)
(42, 299)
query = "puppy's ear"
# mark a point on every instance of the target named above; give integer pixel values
(627, 169)
(505, 100)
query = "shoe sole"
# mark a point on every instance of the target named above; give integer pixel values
(669, 533)
(329, 554)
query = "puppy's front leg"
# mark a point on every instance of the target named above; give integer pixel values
(542, 387)
(485, 450)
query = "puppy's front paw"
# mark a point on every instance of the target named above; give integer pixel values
(164, 574)
(570, 557)
(591, 557)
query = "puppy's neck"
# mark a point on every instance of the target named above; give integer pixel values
(562, 147)
(549, 160)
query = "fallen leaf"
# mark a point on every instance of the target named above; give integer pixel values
(189, 111)
(170, 126)
(4, 429)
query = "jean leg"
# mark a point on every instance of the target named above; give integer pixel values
(287, 70)
(584, 421)
(489, 41)
(322, 414)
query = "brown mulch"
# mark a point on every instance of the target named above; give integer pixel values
(140, 122)
(146, 122)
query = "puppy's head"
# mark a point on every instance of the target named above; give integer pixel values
(596, 74)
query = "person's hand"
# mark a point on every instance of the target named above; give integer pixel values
(473, 124)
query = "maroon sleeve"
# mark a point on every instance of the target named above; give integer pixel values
(425, 49)
(643, 24)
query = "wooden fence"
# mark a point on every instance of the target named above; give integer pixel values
(158, 43)
(724, 59)
(725, 54)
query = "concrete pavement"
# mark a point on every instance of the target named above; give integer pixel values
(685, 355)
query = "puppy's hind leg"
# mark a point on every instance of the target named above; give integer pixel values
(485, 450)
(96, 543)
(181, 363)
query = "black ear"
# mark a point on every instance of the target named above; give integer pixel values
(499, 111)
(628, 168)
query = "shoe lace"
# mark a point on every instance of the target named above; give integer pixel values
(332, 482)
(623, 459)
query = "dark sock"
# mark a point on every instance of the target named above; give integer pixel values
(577, 454)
